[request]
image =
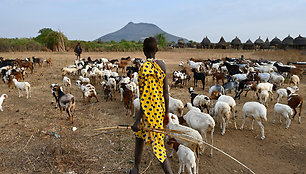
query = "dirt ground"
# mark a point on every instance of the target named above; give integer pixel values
(26, 145)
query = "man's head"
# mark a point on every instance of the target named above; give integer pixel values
(150, 46)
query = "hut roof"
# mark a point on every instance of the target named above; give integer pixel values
(259, 41)
(205, 41)
(249, 42)
(266, 45)
(288, 41)
(275, 41)
(236, 41)
(222, 42)
(299, 41)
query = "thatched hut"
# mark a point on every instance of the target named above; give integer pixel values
(287, 42)
(205, 43)
(249, 45)
(181, 43)
(259, 43)
(276, 42)
(299, 42)
(222, 43)
(266, 45)
(236, 43)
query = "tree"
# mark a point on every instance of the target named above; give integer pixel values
(161, 40)
(51, 39)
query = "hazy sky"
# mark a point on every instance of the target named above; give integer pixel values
(191, 19)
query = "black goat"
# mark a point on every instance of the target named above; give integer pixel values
(232, 69)
(113, 61)
(198, 76)
(128, 58)
(282, 69)
(246, 85)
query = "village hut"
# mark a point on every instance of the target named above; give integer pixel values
(236, 43)
(222, 43)
(287, 42)
(266, 45)
(205, 42)
(248, 45)
(299, 42)
(259, 43)
(276, 42)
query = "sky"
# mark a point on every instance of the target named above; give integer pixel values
(191, 19)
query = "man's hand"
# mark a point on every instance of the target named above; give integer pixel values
(136, 126)
(166, 120)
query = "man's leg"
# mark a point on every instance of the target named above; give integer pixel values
(138, 154)
(166, 166)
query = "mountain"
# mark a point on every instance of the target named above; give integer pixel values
(136, 32)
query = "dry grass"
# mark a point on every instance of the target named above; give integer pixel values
(25, 149)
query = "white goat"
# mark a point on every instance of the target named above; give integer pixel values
(186, 157)
(201, 122)
(281, 93)
(283, 110)
(263, 97)
(264, 77)
(295, 80)
(176, 106)
(222, 112)
(239, 77)
(84, 79)
(277, 79)
(112, 83)
(66, 82)
(266, 86)
(257, 112)
(23, 86)
(201, 101)
(2, 98)
(189, 134)
(194, 65)
(231, 102)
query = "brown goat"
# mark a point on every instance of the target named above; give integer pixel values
(49, 62)
(196, 60)
(295, 101)
(25, 64)
(215, 95)
(107, 92)
(122, 65)
(297, 71)
(218, 76)
(127, 99)
(14, 75)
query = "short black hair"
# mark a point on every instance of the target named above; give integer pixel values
(150, 44)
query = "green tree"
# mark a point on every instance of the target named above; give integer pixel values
(42, 37)
(161, 40)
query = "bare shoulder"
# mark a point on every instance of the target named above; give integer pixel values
(162, 64)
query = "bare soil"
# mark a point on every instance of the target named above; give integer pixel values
(26, 145)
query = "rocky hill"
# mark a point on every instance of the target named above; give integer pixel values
(136, 32)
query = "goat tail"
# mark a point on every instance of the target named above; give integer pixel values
(72, 100)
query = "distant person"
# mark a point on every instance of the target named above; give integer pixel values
(78, 51)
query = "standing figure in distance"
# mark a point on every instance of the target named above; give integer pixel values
(78, 51)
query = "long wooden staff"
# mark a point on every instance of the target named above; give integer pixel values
(170, 132)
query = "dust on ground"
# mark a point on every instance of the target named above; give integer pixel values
(28, 147)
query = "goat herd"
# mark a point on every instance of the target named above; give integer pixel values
(236, 74)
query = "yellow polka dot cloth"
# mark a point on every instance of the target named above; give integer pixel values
(150, 81)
